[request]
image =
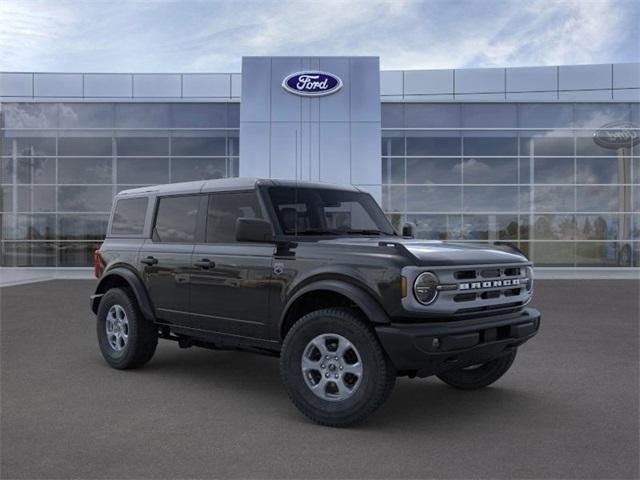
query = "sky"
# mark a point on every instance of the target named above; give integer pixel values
(212, 36)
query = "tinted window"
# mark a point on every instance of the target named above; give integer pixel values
(224, 210)
(176, 219)
(128, 218)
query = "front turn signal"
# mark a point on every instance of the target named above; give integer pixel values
(403, 287)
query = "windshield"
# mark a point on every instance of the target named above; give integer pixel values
(323, 211)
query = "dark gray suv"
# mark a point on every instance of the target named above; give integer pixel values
(312, 273)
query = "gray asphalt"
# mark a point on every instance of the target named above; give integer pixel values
(567, 409)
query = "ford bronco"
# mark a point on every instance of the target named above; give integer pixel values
(315, 274)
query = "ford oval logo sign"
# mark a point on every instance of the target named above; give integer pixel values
(312, 84)
(617, 135)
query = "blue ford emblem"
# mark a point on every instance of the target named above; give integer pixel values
(312, 84)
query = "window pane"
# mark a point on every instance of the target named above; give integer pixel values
(6, 170)
(434, 170)
(72, 254)
(490, 227)
(37, 170)
(490, 146)
(598, 199)
(176, 219)
(393, 144)
(84, 199)
(553, 254)
(392, 115)
(393, 199)
(29, 146)
(553, 170)
(546, 146)
(436, 227)
(545, 115)
(199, 115)
(603, 254)
(142, 115)
(393, 170)
(84, 170)
(490, 170)
(603, 227)
(224, 210)
(29, 227)
(603, 170)
(490, 199)
(427, 115)
(186, 169)
(554, 227)
(198, 146)
(84, 146)
(489, 115)
(30, 115)
(129, 215)
(136, 171)
(26, 254)
(597, 115)
(432, 146)
(6, 199)
(587, 147)
(82, 227)
(36, 199)
(79, 115)
(553, 199)
(433, 199)
(142, 146)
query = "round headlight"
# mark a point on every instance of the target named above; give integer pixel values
(529, 279)
(425, 288)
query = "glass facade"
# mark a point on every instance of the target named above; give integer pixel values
(62, 163)
(528, 173)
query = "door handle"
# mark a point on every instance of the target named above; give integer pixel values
(149, 261)
(204, 263)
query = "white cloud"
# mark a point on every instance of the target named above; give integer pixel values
(195, 35)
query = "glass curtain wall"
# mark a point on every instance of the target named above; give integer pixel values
(62, 163)
(530, 174)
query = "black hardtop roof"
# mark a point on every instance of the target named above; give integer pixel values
(225, 185)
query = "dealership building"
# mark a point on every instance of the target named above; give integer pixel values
(544, 157)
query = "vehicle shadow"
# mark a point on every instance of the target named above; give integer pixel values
(415, 404)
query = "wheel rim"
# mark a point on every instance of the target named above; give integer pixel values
(117, 328)
(332, 367)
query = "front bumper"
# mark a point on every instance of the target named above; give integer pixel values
(431, 348)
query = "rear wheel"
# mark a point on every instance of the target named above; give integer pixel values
(125, 337)
(334, 368)
(479, 376)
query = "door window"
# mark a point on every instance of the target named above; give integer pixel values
(176, 219)
(224, 209)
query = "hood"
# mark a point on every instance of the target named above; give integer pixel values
(438, 253)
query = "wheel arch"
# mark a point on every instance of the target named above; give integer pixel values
(121, 276)
(324, 294)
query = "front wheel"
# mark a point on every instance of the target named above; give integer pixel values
(334, 368)
(479, 376)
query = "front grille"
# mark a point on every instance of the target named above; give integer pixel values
(472, 290)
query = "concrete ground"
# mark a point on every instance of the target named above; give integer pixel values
(567, 409)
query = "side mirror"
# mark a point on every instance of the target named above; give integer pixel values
(253, 230)
(409, 230)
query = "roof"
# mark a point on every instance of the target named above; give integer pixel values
(226, 184)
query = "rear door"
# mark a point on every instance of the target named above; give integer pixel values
(166, 257)
(230, 286)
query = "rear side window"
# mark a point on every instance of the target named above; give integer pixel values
(176, 219)
(224, 210)
(129, 215)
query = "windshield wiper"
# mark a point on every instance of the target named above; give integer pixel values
(366, 232)
(317, 232)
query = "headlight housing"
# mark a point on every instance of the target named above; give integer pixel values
(529, 279)
(425, 288)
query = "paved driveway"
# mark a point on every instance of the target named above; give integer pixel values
(568, 408)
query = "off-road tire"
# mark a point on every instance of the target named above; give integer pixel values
(480, 377)
(142, 333)
(378, 377)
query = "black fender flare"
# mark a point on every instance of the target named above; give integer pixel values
(133, 281)
(364, 300)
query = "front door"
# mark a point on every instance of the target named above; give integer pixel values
(231, 281)
(166, 257)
